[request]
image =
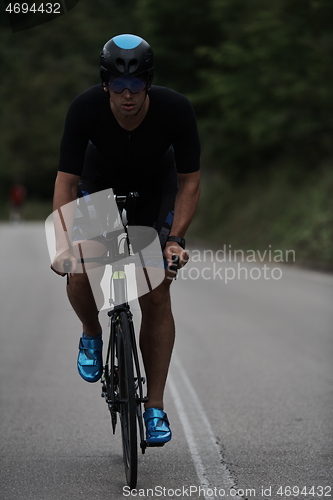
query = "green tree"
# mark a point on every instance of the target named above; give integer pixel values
(268, 92)
(175, 30)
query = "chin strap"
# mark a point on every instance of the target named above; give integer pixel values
(145, 97)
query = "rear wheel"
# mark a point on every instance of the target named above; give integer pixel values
(127, 400)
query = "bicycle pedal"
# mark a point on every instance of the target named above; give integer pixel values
(154, 445)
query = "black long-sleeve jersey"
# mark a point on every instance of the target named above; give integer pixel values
(95, 147)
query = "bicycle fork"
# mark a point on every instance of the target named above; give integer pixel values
(110, 377)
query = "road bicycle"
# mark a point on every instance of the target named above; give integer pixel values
(122, 381)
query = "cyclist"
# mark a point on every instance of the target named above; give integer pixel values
(17, 196)
(132, 136)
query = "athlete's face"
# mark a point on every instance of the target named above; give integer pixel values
(126, 103)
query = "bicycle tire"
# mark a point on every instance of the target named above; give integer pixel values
(110, 385)
(127, 400)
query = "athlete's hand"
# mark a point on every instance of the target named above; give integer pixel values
(58, 264)
(172, 248)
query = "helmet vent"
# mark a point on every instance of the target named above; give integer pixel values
(120, 64)
(133, 64)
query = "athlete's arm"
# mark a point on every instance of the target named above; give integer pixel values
(65, 191)
(185, 206)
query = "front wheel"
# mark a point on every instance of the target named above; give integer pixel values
(127, 399)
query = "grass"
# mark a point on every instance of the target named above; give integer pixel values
(33, 210)
(282, 210)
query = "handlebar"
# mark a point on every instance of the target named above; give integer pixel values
(67, 265)
(175, 266)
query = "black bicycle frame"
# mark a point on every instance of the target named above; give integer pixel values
(118, 283)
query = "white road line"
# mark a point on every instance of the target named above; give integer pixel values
(205, 452)
(199, 466)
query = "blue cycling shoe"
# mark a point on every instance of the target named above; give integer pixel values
(158, 430)
(89, 361)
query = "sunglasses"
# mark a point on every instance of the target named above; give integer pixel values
(133, 84)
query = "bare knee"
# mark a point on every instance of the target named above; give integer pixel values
(81, 290)
(157, 298)
(78, 283)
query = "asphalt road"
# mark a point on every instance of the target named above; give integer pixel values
(249, 397)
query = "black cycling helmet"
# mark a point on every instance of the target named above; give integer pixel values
(127, 55)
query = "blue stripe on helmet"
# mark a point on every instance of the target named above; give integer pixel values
(127, 41)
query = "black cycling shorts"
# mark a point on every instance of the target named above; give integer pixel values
(152, 209)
